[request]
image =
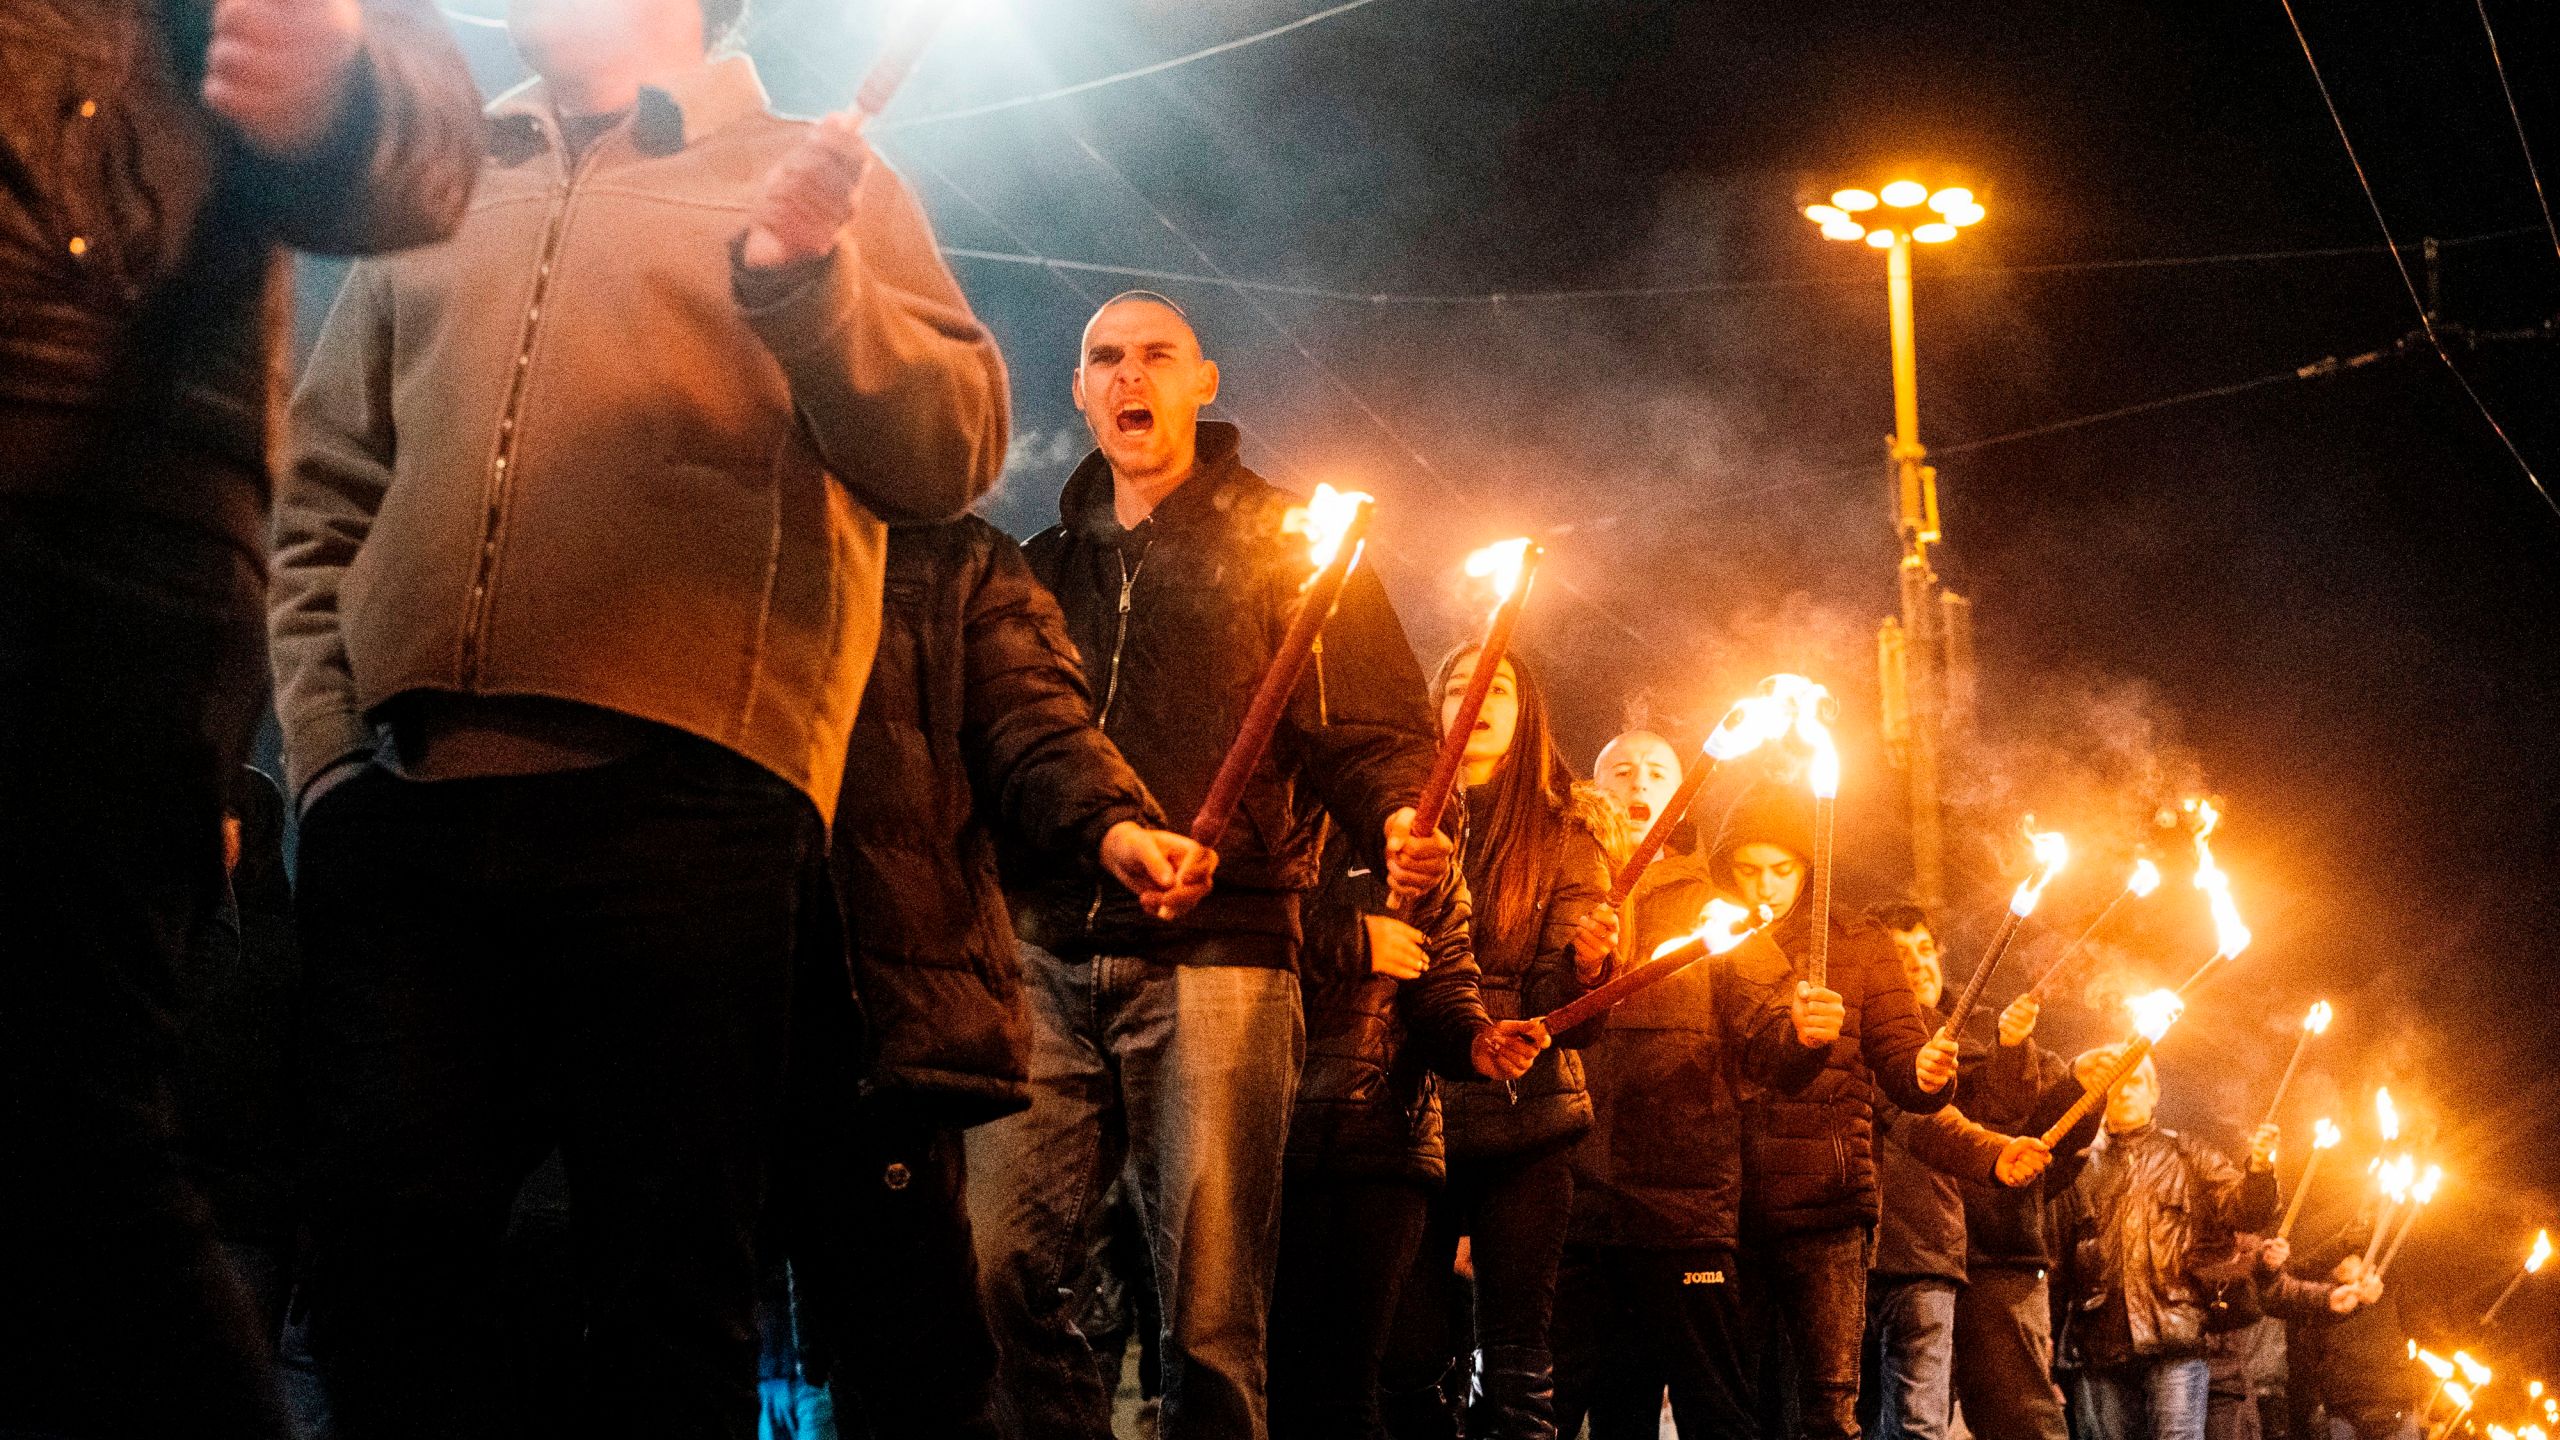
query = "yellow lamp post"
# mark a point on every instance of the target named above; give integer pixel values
(1932, 638)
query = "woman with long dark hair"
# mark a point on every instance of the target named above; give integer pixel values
(1536, 861)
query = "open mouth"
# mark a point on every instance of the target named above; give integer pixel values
(1638, 810)
(1134, 420)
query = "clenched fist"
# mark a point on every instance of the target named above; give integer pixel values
(1936, 1066)
(1415, 863)
(1819, 1015)
(277, 70)
(1168, 873)
(1594, 936)
(2021, 1160)
(2018, 1022)
(1506, 1051)
(809, 195)
(1395, 948)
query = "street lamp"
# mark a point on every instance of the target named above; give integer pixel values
(1917, 652)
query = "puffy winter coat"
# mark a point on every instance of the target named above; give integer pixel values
(1368, 1097)
(1531, 975)
(2150, 1205)
(974, 723)
(1176, 618)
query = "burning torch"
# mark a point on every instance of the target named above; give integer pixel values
(2420, 1195)
(2052, 852)
(2137, 886)
(1508, 565)
(1824, 776)
(2153, 1014)
(2394, 1178)
(1336, 524)
(1754, 721)
(1723, 926)
(2534, 1260)
(2324, 1137)
(2230, 935)
(2315, 1023)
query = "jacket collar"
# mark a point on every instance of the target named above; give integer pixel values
(1085, 507)
(679, 110)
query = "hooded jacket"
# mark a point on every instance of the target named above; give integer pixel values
(1530, 975)
(2148, 1208)
(1368, 1102)
(975, 724)
(1176, 618)
(143, 294)
(579, 452)
(1809, 1131)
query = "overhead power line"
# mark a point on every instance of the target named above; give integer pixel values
(2499, 63)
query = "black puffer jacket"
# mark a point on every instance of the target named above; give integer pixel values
(1368, 1103)
(2151, 1204)
(2021, 1089)
(141, 292)
(1176, 619)
(1551, 1105)
(975, 720)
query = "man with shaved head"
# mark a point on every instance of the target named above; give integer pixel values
(1639, 772)
(1173, 1046)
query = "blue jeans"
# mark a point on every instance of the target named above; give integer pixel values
(1911, 1327)
(1185, 1074)
(2147, 1400)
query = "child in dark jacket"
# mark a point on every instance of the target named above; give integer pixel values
(975, 729)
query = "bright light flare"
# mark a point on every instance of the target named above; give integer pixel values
(2317, 1022)
(1904, 194)
(1951, 200)
(2436, 1364)
(1854, 201)
(1827, 215)
(2533, 1389)
(2424, 1191)
(2386, 1116)
(2053, 851)
(2231, 936)
(1964, 215)
(2325, 1134)
(2154, 1013)
(1935, 232)
(1500, 563)
(1844, 230)
(1324, 520)
(2541, 1254)
(2472, 1370)
(1754, 721)
(1722, 926)
(1880, 239)
(2459, 1393)
(2144, 880)
(1804, 700)
(2396, 1176)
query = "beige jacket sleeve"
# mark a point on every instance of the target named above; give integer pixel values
(899, 385)
(334, 471)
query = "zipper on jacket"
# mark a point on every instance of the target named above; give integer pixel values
(476, 614)
(1111, 683)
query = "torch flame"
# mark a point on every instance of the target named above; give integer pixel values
(2461, 1395)
(2472, 1370)
(2425, 1190)
(2385, 1114)
(1324, 519)
(1723, 925)
(2231, 936)
(2325, 1135)
(2436, 1364)
(2317, 1022)
(2541, 1255)
(2501, 1432)
(2146, 878)
(1500, 562)
(2396, 1176)
(2533, 1390)
(2154, 1013)
(1804, 701)
(2053, 852)
(1754, 721)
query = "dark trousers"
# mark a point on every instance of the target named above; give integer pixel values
(1346, 1248)
(602, 959)
(886, 1286)
(1513, 1211)
(1808, 1293)
(132, 670)
(1677, 1323)
(2004, 1355)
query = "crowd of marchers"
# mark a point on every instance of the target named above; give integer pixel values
(741, 969)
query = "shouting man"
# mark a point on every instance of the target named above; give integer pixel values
(1176, 1046)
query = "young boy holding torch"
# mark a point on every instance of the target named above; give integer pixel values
(1176, 1046)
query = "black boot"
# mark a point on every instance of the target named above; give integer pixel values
(1519, 1394)
(1423, 1413)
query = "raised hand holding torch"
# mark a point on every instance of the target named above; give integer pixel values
(2153, 1014)
(1509, 566)
(1721, 927)
(2052, 852)
(809, 194)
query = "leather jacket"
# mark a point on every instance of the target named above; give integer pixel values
(2151, 1206)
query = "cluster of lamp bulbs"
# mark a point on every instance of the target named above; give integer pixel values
(1947, 211)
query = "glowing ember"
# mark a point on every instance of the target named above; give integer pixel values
(2052, 853)
(2230, 935)
(2472, 1370)
(1500, 562)
(2541, 1255)
(2325, 1135)
(2145, 879)
(2317, 1022)
(1324, 520)
(1723, 926)
(2154, 1013)
(2386, 1116)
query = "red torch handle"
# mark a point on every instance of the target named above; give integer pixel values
(1453, 745)
(2092, 1096)
(1658, 834)
(1582, 1007)
(1279, 681)
(1817, 967)
(906, 46)
(1962, 1010)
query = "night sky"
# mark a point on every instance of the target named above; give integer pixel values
(2328, 602)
